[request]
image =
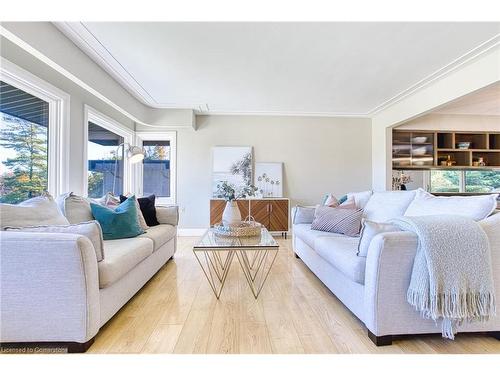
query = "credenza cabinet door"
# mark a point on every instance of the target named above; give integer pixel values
(278, 218)
(216, 209)
(260, 211)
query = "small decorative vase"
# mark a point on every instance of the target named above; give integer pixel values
(231, 214)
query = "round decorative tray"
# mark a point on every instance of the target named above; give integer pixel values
(244, 229)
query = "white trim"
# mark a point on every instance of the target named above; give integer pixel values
(91, 114)
(191, 232)
(59, 126)
(160, 136)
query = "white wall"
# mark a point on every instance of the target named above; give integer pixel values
(320, 155)
(471, 76)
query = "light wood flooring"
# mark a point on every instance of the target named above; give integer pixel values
(176, 312)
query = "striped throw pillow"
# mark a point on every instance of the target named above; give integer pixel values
(337, 220)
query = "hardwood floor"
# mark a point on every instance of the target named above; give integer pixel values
(176, 312)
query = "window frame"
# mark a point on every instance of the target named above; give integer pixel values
(98, 118)
(160, 136)
(58, 128)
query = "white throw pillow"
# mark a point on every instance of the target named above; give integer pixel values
(475, 207)
(92, 230)
(386, 205)
(361, 198)
(371, 229)
(41, 210)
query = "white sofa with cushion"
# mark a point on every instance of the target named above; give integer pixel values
(374, 287)
(54, 290)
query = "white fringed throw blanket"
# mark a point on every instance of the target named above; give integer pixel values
(452, 276)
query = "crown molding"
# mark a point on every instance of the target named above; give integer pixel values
(466, 58)
(280, 113)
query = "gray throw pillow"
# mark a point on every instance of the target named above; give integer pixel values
(91, 230)
(370, 230)
(75, 208)
(303, 215)
(338, 220)
(41, 210)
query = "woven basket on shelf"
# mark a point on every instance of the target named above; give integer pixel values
(247, 228)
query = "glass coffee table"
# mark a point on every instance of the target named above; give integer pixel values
(256, 256)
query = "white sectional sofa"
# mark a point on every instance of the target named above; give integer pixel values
(53, 289)
(374, 287)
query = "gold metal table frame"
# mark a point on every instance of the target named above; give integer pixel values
(256, 256)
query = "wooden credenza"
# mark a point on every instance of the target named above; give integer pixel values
(273, 213)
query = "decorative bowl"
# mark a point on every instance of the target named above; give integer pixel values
(419, 151)
(463, 145)
(419, 139)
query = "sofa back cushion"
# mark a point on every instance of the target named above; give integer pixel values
(90, 229)
(475, 207)
(386, 205)
(337, 220)
(41, 210)
(360, 198)
(120, 222)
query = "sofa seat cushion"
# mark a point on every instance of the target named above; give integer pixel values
(159, 234)
(121, 256)
(309, 236)
(340, 252)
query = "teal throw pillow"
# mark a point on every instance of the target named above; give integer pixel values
(342, 199)
(120, 222)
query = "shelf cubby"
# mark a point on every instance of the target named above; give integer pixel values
(494, 141)
(477, 140)
(462, 158)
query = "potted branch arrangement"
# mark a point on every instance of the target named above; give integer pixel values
(231, 214)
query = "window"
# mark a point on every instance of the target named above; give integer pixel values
(482, 181)
(24, 121)
(105, 161)
(34, 146)
(158, 169)
(445, 181)
(464, 181)
(107, 170)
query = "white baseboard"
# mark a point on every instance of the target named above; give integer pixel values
(190, 232)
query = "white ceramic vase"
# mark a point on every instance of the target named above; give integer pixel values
(231, 214)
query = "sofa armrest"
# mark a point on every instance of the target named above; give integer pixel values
(388, 270)
(49, 288)
(167, 215)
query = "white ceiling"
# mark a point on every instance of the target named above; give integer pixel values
(289, 68)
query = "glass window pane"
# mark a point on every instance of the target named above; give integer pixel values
(156, 172)
(24, 122)
(105, 166)
(445, 181)
(482, 181)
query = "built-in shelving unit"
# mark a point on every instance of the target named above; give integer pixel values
(431, 149)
